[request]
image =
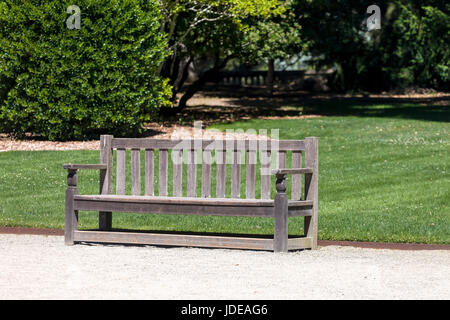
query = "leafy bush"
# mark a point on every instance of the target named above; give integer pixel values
(422, 48)
(76, 84)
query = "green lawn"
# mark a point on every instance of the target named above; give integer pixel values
(383, 177)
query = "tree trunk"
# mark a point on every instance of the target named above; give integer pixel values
(192, 89)
(184, 75)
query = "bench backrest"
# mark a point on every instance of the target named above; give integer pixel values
(182, 161)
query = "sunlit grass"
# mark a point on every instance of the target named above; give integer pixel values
(382, 178)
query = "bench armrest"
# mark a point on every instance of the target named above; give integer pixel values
(70, 166)
(72, 171)
(292, 171)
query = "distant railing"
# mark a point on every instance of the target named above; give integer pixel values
(242, 78)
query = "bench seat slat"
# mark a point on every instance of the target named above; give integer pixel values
(183, 205)
(176, 200)
(190, 200)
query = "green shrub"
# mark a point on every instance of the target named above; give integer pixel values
(76, 84)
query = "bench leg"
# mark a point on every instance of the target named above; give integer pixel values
(280, 233)
(105, 221)
(312, 188)
(310, 228)
(71, 220)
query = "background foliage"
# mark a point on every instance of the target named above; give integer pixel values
(410, 49)
(75, 84)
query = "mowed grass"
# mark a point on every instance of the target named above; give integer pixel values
(383, 176)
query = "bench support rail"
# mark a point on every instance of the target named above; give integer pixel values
(187, 240)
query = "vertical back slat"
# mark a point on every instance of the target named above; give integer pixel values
(177, 158)
(149, 172)
(265, 174)
(312, 187)
(282, 159)
(250, 174)
(206, 173)
(163, 172)
(192, 174)
(296, 178)
(236, 174)
(106, 186)
(120, 171)
(106, 157)
(221, 173)
(135, 172)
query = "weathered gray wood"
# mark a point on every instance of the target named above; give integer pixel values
(265, 174)
(71, 166)
(300, 203)
(236, 174)
(177, 159)
(296, 189)
(171, 207)
(299, 243)
(280, 238)
(186, 200)
(120, 171)
(146, 143)
(135, 172)
(250, 174)
(311, 187)
(206, 173)
(221, 173)
(71, 216)
(149, 172)
(106, 158)
(106, 186)
(280, 209)
(163, 171)
(191, 174)
(176, 240)
(282, 159)
(300, 212)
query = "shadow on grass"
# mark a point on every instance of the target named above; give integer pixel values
(248, 107)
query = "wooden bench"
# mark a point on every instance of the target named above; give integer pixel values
(303, 200)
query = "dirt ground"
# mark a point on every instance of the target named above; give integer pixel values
(42, 267)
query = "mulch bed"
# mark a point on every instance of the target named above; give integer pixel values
(358, 244)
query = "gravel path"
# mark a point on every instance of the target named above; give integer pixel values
(41, 267)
